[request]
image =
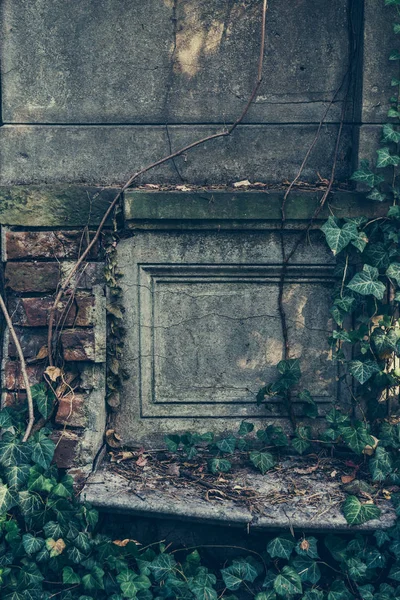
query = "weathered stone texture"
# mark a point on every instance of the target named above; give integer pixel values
(32, 276)
(144, 62)
(109, 155)
(47, 244)
(13, 379)
(67, 448)
(82, 345)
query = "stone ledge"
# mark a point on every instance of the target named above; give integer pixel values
(220, 209)
(53, 206)
(109, 491)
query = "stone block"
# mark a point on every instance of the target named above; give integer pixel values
(72, 410)
(170, 62)
(54, 206)
(14, 399)
(78, 310)
(377, 69)
(32, 276)
(109, 155)
(47, 244)
(204, 332)
(88, 276)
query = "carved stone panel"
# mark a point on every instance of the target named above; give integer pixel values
(204, 332)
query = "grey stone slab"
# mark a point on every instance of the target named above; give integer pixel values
(109, 155)
(186, 61)
(369, 137)
(205, 209)
(109, 491)
(203, 330)
(377, 69)
(54, 206)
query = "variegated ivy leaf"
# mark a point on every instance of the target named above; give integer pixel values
(390, 134)
(393, 271)
(356, 513)
(365, 175)
(366, 283)
(339, 237)
(376, 195)
(385, 159)
(362, 371)
(7, 500)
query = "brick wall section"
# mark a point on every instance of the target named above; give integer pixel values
(35, 264)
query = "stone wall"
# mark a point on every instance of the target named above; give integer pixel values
(93, 91)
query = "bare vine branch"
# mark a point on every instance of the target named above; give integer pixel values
(23, 368)
(224, 133)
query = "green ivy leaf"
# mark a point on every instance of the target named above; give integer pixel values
(307, 568)
(394, 55)
(227, 445)
(385, 159)
(281, 547)
(17, 476)
(7, 500)
(307, 547)
(131, 583)
(263, 461)
(237, 573)
(338, 237)
(245, 428)
(202, 586)
(288, 582)
(172, 442)
(363, 371)
(43, 451)
(366, 283)
(220, 465)
(94, 580)
(162, 565)
(43, 400)
(376, 195)
(393, 271)
(366, 176)
(32, 544)
(380, 465)
(69, 576)
(356, 513)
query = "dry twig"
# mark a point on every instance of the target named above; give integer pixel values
(23, 369)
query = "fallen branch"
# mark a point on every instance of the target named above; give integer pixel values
(23, 369)
(135, 176)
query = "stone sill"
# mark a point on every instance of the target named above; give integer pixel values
(254, 209)
(316, 510)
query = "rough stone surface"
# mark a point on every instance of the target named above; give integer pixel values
(109, 155)
(78, 345)
(32, 276)
(72, 410)
(34, 312)
(194, 63)
(31, 340)
(204, 332)
(91, 274)
(53, 206)
(109, 491)
(47, 244)
(377, 69)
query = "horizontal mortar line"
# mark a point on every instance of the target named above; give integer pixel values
(225, 124)
(232, 417)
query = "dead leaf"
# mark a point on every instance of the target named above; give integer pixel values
(174, 470)
(369, 450)
(55, 547)
(113, 439)
(141, 461)
(152, 186)
(243, 183)
(305, 545)
(306, 471)
(334, 473)
(123, 543)
(348, 478)
(387, 495)
(53, 372)
(121, 456)
(183, 188)
(41, 354)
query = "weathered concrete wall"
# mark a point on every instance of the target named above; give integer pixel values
(88, 87)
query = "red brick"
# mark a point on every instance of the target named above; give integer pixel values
(13, 379)
(47, 244)
(32, 277)
(78, 344)
(71, 411)
(14, 399)
(34, 312)
(31, 343)
(92, 273)
(67, 447)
